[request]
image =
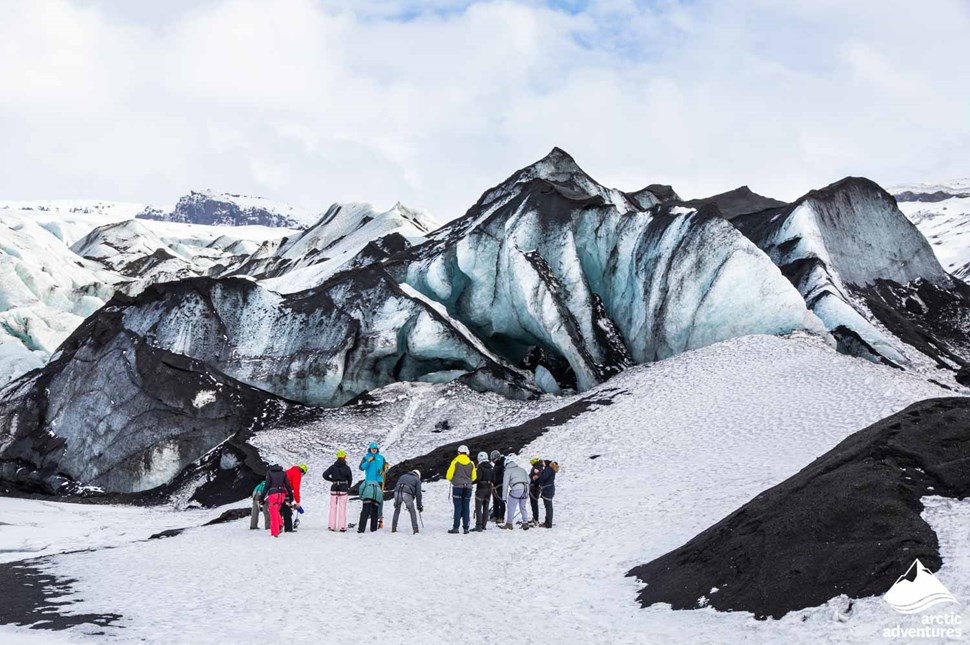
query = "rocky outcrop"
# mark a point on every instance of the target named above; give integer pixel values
(849, 523)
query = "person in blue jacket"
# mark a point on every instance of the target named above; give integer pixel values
(374, 465)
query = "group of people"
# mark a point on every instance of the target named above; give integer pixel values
(499, 486)
(501, 482)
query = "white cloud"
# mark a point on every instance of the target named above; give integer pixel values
(433, 102)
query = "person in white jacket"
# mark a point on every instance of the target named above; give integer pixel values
(515, 485)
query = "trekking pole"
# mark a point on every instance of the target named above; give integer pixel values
(421, 519)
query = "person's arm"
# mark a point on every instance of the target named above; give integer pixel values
(417, 495)
(451, 469)
(505, 485)
(328, 474)
(289, 489)
(474, 472)
(363, 463)
(262, 495)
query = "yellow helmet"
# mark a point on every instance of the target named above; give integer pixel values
(341, 454)
(302, 467)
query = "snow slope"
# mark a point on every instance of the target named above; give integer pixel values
(770, 406)
(309, 259)
(942, 213)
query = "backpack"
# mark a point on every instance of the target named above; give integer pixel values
(555, 466)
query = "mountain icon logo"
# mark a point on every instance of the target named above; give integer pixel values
(917, 590)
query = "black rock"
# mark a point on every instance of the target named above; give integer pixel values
(849, 523)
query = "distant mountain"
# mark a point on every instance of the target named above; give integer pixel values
(942, 213)
(227, 209)
(740, 201)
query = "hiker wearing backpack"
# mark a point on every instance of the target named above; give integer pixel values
(277, 491)
(370, 497)
(535, 491)
(483, 491)
(498, 495)
(547, 486)
(408, 492)
(340, 477)
(295, 477)
(259, 508)
(515, 485)
(461, 473)
(371, 494)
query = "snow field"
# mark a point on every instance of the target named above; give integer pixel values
(685, 442)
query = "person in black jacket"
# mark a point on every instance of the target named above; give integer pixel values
(535, 492)
(407, 492)
(484, 486)
(276, 492)
(498, 473)
(341, 477)
(547, 489)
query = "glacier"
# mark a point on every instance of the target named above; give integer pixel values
(868, 273)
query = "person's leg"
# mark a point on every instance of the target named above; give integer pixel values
(456, 500)
(334, 503)
(534, 503)
(412, 511)
(274, 501)
(287, 518)
(342, 511)
(485, 510)
(254, 516)
(466, 503)
(479, 510)
(266, 519)
(548, 504)
(397, 514)
(523, 510)
(364, 513)
(374, 515)
(510, 510)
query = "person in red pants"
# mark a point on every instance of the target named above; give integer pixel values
(295, 476)
(277, 491)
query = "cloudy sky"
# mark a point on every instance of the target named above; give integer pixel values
(429, 103)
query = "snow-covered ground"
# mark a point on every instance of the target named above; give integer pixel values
(684, 442)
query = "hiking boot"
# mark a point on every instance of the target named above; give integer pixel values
(506, 526)
(453, 531)
(393, 530)
(416, 531)
(466, 530)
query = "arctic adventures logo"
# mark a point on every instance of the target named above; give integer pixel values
(917, 591)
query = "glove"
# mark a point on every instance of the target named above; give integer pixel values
(299, 509)
(420, 508)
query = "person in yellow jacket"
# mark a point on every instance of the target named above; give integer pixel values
(462, 474)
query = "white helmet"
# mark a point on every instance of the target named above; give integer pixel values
(416, 473)
(482, 456)
(463, 449)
